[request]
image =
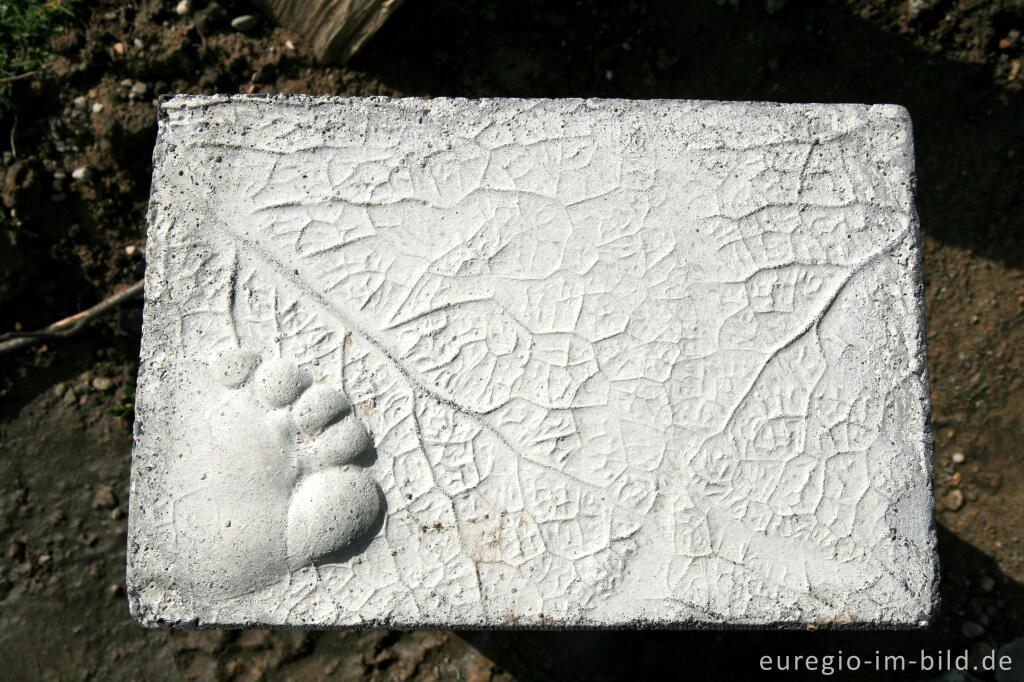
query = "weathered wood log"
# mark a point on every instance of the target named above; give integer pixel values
(334, 29)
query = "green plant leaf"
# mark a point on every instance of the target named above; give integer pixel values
(25, 29)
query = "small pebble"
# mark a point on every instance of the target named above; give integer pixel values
(130, 249)
(246, 22)
(82, 174)
(1010, 40)
(915, 7)
(289, 45)
(126, 83)
(972, 630)
(104, 499)
(59, 389)
(97, 107)
(138, 90)
(81, 102)
(183, 7)
(82, 382)
(70, 398)
(954, 500)
(119, 48)
(138, 43)
(102, 383)
(959, 458)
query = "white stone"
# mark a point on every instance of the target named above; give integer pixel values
(246, 22)
(531, 363)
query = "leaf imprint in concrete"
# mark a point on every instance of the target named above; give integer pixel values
(501, 362)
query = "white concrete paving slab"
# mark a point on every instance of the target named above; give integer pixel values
(531, 363)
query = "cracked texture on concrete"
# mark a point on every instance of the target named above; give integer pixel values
(622, 363)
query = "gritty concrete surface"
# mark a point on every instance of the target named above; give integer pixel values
(531, 363)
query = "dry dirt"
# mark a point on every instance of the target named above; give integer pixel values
(65, 431)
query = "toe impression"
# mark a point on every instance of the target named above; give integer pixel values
(319, 407)
(343, 443)
(280, 383)
(330, 511)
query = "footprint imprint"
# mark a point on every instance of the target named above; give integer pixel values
(277, 468)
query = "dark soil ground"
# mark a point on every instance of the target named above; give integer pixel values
(66, 243)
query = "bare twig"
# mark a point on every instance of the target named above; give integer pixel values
(69, 326)
(8, 79)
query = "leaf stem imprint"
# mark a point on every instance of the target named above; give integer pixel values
(812, 324)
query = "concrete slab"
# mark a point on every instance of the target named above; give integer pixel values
(531, 363)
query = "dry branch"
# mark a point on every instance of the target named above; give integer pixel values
(69, 326)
